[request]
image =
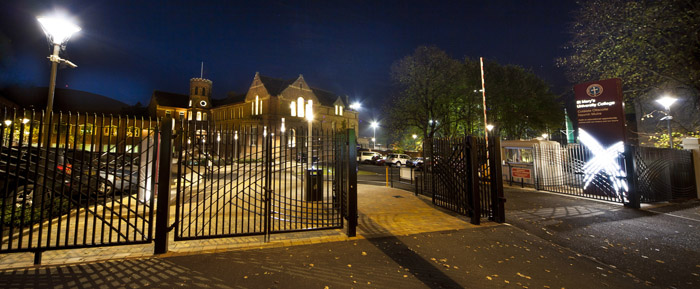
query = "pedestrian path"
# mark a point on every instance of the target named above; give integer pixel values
(382, 212)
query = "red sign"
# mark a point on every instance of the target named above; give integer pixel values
(520, 173)
(600, 110)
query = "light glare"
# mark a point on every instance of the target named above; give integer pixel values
(58, 29)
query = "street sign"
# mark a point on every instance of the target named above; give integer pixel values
(520, 173)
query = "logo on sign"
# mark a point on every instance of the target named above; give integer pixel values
(594, 90)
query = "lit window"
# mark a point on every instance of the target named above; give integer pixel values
(190, 103)
(182, 114)
(199, 115)
(257, 106)
(205, 117)
(189, 116)
(340, 108)
(293, 108)
(300, 107)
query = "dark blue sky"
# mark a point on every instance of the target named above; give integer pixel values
(127, 49)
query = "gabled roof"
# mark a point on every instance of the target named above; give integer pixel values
(275, 86)
(326, 98)
(230, 99)
(170, 99)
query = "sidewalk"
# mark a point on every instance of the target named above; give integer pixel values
(403, 242)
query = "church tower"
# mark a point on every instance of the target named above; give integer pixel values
(200, 99)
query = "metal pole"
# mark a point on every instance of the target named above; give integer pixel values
(668, 123)
(308, 146)
(164, 182)
(52, 88)
(374, 138)
(483, 98)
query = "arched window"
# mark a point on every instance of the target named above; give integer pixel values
(196, 90)
(199, 115)
(300, 107)
(204, 117)
(204, 91)
(293, 108)
(292, 142)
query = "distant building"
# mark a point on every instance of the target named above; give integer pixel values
(268, 101)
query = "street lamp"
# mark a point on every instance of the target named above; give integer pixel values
(58, 30)
(355, 106)
(666, 101)
(374, 137)
(489, 127)
(545, 136)
(310, 118)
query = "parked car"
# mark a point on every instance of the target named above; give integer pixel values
(397, 159)
(22, 169)
(416, 162)
(365, 157)
(378, 160)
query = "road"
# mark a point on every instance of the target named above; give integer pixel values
(659, 244)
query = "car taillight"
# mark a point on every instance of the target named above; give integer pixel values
(67, 168)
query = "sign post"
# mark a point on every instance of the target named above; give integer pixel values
(601, 119)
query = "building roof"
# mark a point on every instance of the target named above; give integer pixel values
(163, 98)
(275, 86)
(230, 99)
(325, 97)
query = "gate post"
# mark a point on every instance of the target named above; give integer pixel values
(496, 172)
(164, 179)
(631, 168)
(473, 165)
(352, 184)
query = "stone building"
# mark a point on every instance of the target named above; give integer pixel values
(268, 101)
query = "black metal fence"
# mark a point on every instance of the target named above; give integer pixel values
(660, 174)
(664, 174)
(75, 180)
(460, 174)
(259, 179)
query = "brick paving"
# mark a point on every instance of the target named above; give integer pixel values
(382, 212)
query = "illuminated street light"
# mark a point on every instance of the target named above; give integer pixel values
(415, 136)
(355, 106)
(489, 127)
(545, 136)
(666, 101)
(58, 30)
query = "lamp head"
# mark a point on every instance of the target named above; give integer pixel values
(415, 136)
(374, 124)
(666, 101)
(489, 127)
(58, 29)
(355, 106)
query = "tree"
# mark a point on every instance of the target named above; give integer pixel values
(441, 96)
(519, 102)
(648, 44)
(425, 81)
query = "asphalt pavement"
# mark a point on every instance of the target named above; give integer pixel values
(550, 241)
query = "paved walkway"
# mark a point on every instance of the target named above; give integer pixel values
(383, 212)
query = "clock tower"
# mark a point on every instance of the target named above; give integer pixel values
(200, 99)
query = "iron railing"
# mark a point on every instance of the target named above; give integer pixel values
(80, 180)
(660, 174)
(238, 180)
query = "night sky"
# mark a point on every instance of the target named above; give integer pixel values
(127, 49)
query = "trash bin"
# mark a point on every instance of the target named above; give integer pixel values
(314, 185)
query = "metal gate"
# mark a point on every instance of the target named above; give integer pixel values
(236, 180)
(75, 180)
(459, 176)
(652, 174)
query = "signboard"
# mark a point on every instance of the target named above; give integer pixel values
(600, 110)
(520, 173)
(601, 121)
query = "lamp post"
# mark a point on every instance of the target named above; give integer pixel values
(374, 137)
(666, 101)
(309, 141)
(58, 31)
